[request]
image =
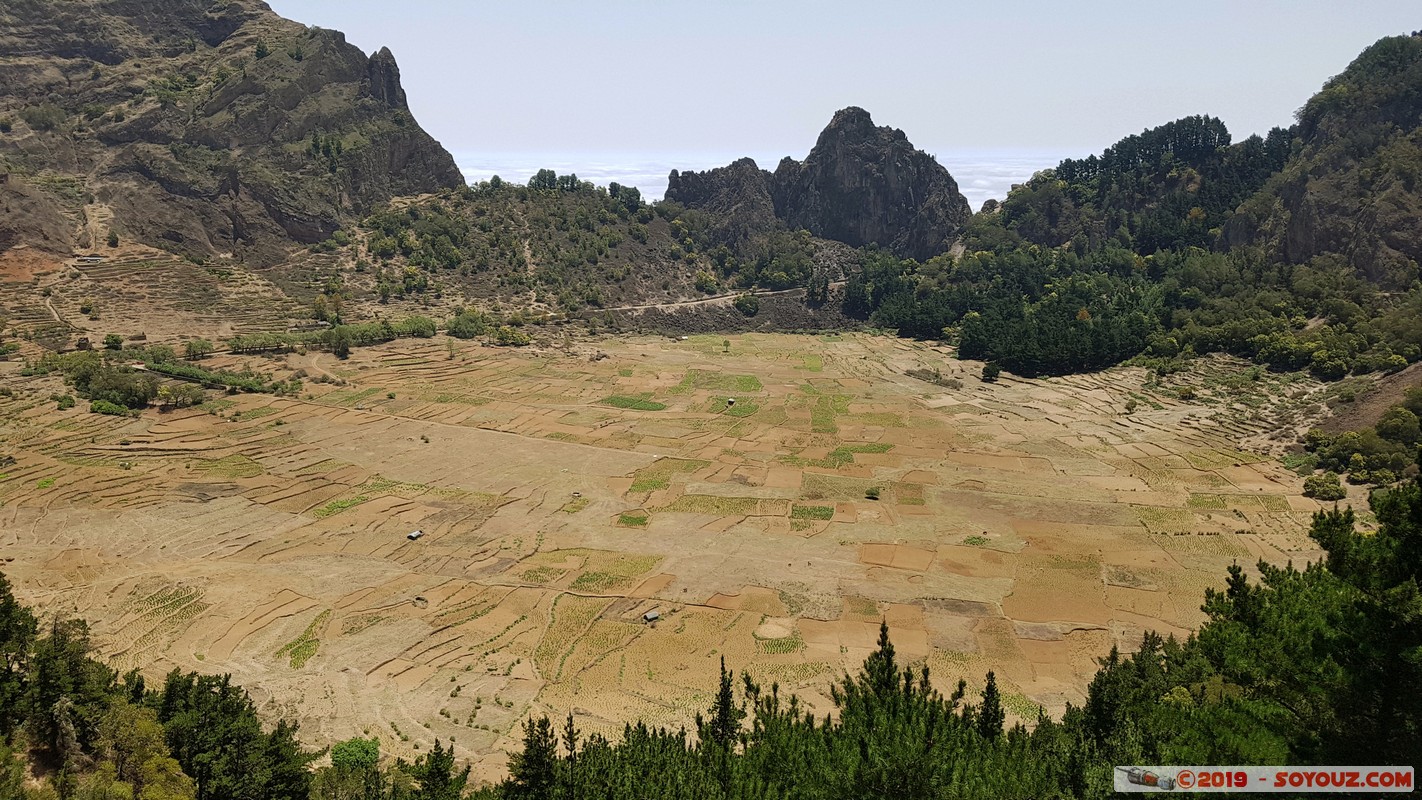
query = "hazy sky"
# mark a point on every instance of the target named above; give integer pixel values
(762, 77)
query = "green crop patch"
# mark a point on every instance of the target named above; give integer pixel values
(712, 504)
(541, 575)
(337, 506)
(599, 582)
(1209, 502)
(814, 486)
(255, 413)
(782, 646)
(303, 647)
(658, 474)
(632, 520)
(811, 512)
(349, 398)
(233, 466)
(639, 403)
(717, 381)
(838, 457)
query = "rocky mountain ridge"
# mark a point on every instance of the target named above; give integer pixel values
(861, 184)
(203, 127)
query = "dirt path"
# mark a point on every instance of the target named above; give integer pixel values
(316, 365)
(714, 299)
(53, 312)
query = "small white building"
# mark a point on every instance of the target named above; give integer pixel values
(413, 535)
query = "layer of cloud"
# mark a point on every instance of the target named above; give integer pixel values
(981, 174)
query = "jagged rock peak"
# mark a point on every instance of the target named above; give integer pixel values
(864, 184)
(737, 194)
(861, 184)
(384, 77)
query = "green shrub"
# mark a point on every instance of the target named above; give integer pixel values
(45, 117)
(990, 371)
(747, 304)
(510, 336)
(1324, 487)
(112, 409)
(468, 324)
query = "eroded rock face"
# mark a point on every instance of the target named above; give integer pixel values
(861, 184)
(738, 195)
(1350, 191)
(207, 127)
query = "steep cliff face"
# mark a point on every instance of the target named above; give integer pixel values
(737, 196)
(861, 184)
(1353, 188)
(204, 126)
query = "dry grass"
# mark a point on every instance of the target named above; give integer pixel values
(1074, 514)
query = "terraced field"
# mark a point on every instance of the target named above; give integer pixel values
(1024, 527)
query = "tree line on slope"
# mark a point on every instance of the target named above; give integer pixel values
(1377, 454)
(1176, 242)
(1304, 666)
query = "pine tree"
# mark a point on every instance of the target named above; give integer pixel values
(720, 734)
(17, 635)
(435, 772)
(726, 716)
(534, 771)
(991, 715)
(570, 743)
(880, 668)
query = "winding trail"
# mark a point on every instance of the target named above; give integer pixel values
(715, 299)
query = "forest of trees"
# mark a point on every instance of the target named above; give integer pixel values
(1099, 261)
(1377, 454)
(1316, 664)
(1175, 242)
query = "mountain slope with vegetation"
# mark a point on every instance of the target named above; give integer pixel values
(1175, 243)
(562, 244)
(1351, 192)
(199, 127)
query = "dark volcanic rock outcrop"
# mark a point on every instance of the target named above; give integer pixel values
(861, 184)
(738, 196)
(206, 127)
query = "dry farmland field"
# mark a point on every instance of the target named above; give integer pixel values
(1021, 526)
